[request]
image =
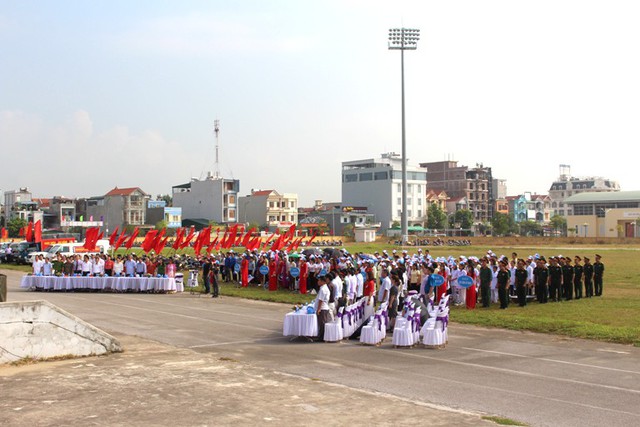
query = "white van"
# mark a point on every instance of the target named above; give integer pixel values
(102, 247)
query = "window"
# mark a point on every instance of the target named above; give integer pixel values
(291, 218)
(399, 212)
(399, 188)
(283, 218)
(352, 177)
(409, 213)
(583, 209)
(409, 187)
(344, 219)
(272, 218)
(380, 176)
(272, 204)
(419, 188)
(232, 199)
(399, 200)
(419, 213)
(419, 202)
(409, 200)
(367, 176)
(232, 214)
(292, 204)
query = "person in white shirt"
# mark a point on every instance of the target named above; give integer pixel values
(38, 262)
(118, 266)
(87, 266)
(385, 286)
(322, 305)
(97, 268)
(359, 285)
(494, 283)
(47, 267)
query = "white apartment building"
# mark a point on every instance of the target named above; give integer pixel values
(566, 186)
(269, 207)
(377, 185)
(211, 199)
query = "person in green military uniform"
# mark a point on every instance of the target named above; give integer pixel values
(503, 284)
(598, 273)
(486, 275)
(567, 279)
(588, 278)
(521, 283)
(541, 278)
(555, 280)
(577, 277)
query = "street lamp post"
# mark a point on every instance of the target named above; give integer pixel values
(403, 39)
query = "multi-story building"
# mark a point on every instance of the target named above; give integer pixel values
(157, 210)
(210, 199)
(376, 184)
(58, 209)
(529, 207)
(438, 197)
(604, 214)
(269, 208)
(566, 186)
(335, 216)
(120, 208)
(474, 184)
(20, 203)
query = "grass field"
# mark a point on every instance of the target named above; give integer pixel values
(614, 317)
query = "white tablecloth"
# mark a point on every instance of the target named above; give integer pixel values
(70, 283)
(300, 325)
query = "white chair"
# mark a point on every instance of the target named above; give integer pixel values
(435, 334)
(375, 331)
(333, 331)
(403, 336)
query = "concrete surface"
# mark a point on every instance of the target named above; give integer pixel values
(154, 384)
(40, 330)
(543, 380)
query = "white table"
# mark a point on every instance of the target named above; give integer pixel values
(72, 283)
(300, 325)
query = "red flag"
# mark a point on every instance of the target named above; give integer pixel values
(149, 240)
(4, 234)
(112, 238)
(120, 240)
(279, 243)
(254, 243)
(158, 239)
(100, 236)
(315, 233)
(266, 243)
(91, 238)
(289, 234)
(202, 240)
(231, 240)
(161, 244)
(23, 231)
(212, 245)
(29, 234)
(132, 238)
(192, 232)
(37, 232)
(179, 236)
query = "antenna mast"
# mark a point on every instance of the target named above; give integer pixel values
(216, 129)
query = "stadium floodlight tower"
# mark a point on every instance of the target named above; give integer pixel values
(403, 39)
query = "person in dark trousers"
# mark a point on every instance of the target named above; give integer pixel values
(555, 280)
(213, 279)
(567, 279)
(322, 305)
(577, 277)
(598, 273)
(486, 275)
(588, 277)
(541, 278)
(521, 283)
(206, 269)
(503, 284)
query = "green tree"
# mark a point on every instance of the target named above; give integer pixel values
(436, 218)
(502, 224)
(14, 225)
(254, 225)
(347, 230)
(559, 223)
(161, 224)
(166, 197)
(530, 228)
(464, 217)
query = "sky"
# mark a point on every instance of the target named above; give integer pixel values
(100, 94)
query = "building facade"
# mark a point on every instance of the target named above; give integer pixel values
(529, 207)
(120, 207)
(269, 208)
(157, 210)
(376, 184)
(604, 214)
(336, 217)
(566, 186)
(210, 199)
(474, 184)
(20, 204)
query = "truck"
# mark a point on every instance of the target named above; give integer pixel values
(102, 247)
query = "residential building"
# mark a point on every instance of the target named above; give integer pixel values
(529, 207)
(157, 210)
(336, 217)
(269, 208)
(210, 199)
(57, 210)
(120, 208)
(604, 214)
(376, 184)
(19, 203)
(566, 186)
(438, 197)
(475, 184)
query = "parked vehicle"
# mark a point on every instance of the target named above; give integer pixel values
(102, 246)
(20, 252)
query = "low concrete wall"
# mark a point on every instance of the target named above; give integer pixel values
(40, 330)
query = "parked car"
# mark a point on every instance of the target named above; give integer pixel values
(20, 252)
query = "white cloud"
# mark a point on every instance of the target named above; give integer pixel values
(73, 159)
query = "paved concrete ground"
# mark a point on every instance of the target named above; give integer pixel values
(536, 378)
(154, 384)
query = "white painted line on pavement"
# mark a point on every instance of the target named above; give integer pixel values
(512, 372)
(553, 360)
(255, 341)
(613, 351)
(324, 362)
